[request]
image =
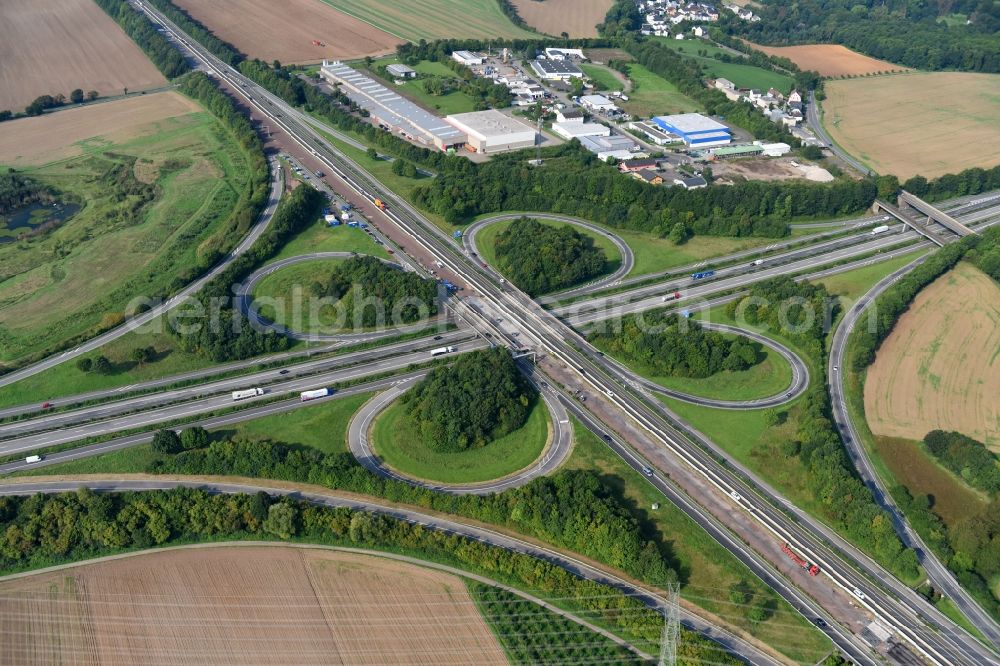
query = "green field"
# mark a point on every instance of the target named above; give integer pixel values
(414, 20)
(455, 101)
(320, 238)
(286, 298)
(705, 569)
(603, 76)
(652, 95)
(744, 76)
(654, 254)
(769, 377)
(852, 285)
(81, 275)
(397, 443)
(486, 242)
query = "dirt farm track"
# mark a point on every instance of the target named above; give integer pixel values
(244, 605)
(939, 368)
(285, 31)
(51, 47)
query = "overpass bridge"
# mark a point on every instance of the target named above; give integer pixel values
(921, 216)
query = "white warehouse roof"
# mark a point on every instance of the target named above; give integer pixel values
(576, 130)
(692, 122)
(491, 124)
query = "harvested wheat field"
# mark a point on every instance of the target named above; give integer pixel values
(925, 124)
(244, 605)
(285, 31)
(939, 367)
(68, 133)
(578, 18)
(830, 59)
(51, 47)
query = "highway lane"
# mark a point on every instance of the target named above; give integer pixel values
(150, 418)
(651, 597)
(141, 319)
(627, 256)
(553, 338)
(942, 576)
(556, 451)
(263, 379)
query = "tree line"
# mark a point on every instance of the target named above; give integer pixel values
(669, 345)
(901, 32)
(479, 398)
(830, 477)
(966, 457)
(950, 185)
(136, 25)
(42, 530)
(540, 258)
(359, 282)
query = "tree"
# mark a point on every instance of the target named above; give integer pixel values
(103, 366)
(888, 187)
(679, 234)
(372, 153)
(280, 520)
(76, 96)
(166, 442)
(772, 416)
(143, 355)
(91, 95)
(84, 364)
(195, 437)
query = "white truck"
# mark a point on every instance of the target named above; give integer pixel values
(248, 393)
(443, 350)
(879, 230)
(306, 396)
(33, 459)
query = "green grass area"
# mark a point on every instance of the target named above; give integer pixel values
(706, 569)
(320, 238)
(81, 275)
(769, 377)
(322, 426)
(654, 254)
(486, 242)
(852, 285)
(603, 76)
(744, 76)
(455, 101)
(286, 297)
(133, 460)
(532, 634)
(652, 95)
(398, 444)
(413, 20)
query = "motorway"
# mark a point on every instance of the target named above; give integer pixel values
(568, 358)
(942, 577)
(141, 319)
(651, 598)
(556, 451)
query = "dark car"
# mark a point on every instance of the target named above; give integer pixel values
(437, 337)
(283, 372)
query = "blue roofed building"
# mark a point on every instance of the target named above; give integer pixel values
(696, 130)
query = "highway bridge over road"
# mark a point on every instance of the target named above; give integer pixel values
(908, 204)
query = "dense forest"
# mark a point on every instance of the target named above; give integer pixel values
(540, 258)
(966, 457)
(481, 397)
(369, 291)
(669, 345)
(574, 182)
(18, 190)
(902, 32)
(969, 181)
(42, 530)
(829, 476)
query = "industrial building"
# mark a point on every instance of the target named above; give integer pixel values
(491, 132)
(401, 71)
(575, 130)
(468, 58)
(598, 103)
(556, 70)
(654, 133)
(696, 130)
(610, 147)
(390, 110)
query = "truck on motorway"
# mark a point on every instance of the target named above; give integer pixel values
(247, 393)
(33, 459)
(443, 350)
(702, 275)
(672, 297)
(881, 229)
(380, 204)
(306, 396)
(811, 568)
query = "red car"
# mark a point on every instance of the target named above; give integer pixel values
(46, 405)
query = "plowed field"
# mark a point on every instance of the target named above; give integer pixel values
(244, 605)
(830, 59)
(578, 18)
(50, 47)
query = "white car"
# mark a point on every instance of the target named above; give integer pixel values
(735, 495)
(647, 471)
(859, 594)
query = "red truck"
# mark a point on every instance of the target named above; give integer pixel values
(811, 568)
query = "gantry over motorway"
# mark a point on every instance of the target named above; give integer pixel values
(736, 512)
